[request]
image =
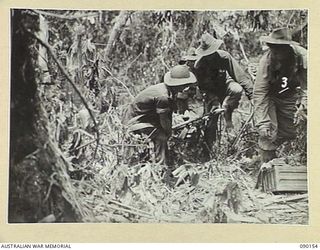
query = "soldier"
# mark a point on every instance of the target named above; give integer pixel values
(189, 57)
(222, 80)
(282, 69)
(152, 109)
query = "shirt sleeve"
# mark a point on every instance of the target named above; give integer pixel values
(162, 105)
(303, 85)
(238, 74)
(261, 99)
(303, 77)
(163, 109)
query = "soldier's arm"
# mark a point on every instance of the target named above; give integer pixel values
(303, 80)
(164, 111)
(304, 88)
(238, 74)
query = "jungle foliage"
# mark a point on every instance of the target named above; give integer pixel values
(87, 163)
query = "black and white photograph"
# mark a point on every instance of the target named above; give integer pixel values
(158, 116)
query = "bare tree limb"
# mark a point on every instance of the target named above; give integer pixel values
(64, 72)
(292, 15)
(116, 30)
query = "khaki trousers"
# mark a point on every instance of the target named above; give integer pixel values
(281, 113)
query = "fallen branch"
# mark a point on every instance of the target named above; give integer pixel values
(292, 198)
(65, 73)
(296, 208)
(130, 208)
(71, 17)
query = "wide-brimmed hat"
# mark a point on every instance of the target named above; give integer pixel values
(190, 55)
(179, 75)
(208, 45)
(279, 36)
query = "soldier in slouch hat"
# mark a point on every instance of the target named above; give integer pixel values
(281, 71)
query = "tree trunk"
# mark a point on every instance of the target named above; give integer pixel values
(35, 190)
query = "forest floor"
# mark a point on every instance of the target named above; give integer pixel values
(227, 195)
(222, 190)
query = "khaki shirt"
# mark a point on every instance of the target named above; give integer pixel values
(214, 71)
(272, 82)
(151, 102)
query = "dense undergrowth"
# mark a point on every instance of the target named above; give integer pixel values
(118, 181)
(109, 175)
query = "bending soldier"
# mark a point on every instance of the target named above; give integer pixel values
(152, 109)
(222, 80)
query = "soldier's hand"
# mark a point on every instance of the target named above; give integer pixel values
(251, 102)
(265, 133)
(216, 110)
(301, 114)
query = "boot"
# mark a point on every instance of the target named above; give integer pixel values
(161, 150)
(267, 155)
